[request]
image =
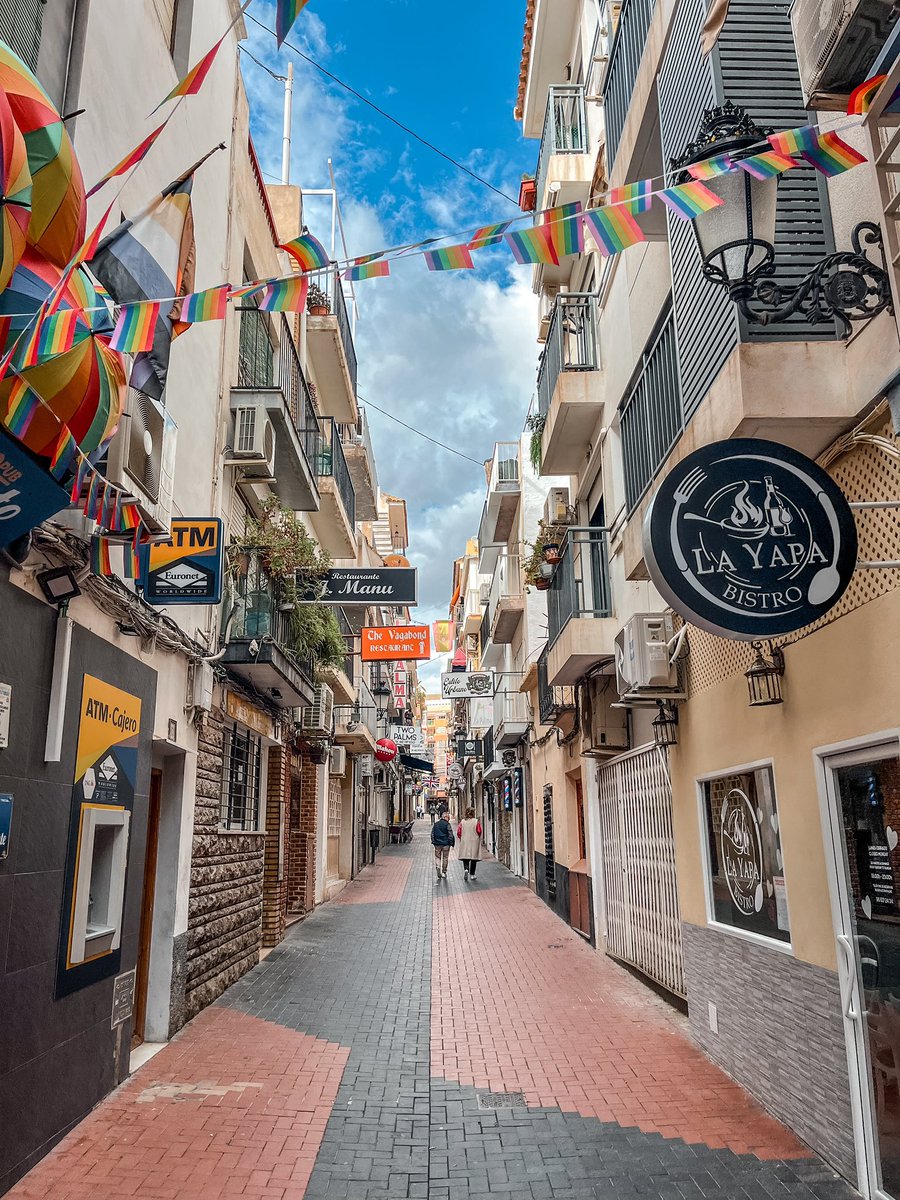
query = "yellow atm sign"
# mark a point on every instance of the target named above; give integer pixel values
(188, 568)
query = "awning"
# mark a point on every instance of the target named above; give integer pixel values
(416, 764)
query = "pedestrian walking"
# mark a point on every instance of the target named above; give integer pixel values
(469, 834)
(442, 839)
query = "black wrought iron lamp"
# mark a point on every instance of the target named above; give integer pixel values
(737, 240)
(764, 676)
(665, 725)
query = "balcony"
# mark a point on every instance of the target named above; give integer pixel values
(581, 628)
(553, 702)
(571, 386)
(258, 640)
(511, 717)
(625, 56)
(490, 652)
(335, 522)
(564, 162)
(270, 378)
(501, 506)
(356, 725)
(360, 458)
(472, 611)
(341, 681)
(329, 341)
(507, 599)
(493, 766)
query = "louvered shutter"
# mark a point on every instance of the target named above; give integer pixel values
(20, 28)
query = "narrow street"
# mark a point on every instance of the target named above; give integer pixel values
(424, 1039)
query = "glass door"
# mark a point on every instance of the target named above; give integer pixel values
(864, 792)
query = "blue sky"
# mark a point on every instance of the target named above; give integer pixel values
(453, 354)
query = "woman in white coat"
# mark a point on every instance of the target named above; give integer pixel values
(469, 834)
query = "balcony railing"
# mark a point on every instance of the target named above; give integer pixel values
(261, 365)
(260, 612)
(331, 463)
(350, 639)
(565, 129)
(572, 343)
(580, 584)
(505, 467)
(507, 581)
(625, 57)
(650, 415)
(330, 283)
(551, 700)
(510, 705)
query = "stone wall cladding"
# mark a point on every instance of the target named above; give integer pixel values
(780, 1034)
(225, 906)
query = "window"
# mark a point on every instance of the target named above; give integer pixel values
(745, 868)
(242, 754)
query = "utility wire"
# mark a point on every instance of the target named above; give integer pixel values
(419, 433)
(387, 116)
(268, 70)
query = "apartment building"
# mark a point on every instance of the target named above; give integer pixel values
(662, 726)
(249, 799)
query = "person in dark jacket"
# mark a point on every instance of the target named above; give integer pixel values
(442, 839)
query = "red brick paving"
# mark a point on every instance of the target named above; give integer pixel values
(381, 883)
(232, 1109)
(521, 1003)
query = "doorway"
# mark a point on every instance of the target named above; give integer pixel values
(862, 792)
(148, 895)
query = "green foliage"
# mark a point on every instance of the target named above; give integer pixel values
(317, 635)
(532, 564)
(536, 423)
(285, 547)
(316, 298)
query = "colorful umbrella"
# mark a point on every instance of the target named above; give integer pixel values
(15, 193)
(59, 210)
(32, 282)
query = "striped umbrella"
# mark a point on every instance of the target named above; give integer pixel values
(59, 209)
(31, 284)
(15, 193)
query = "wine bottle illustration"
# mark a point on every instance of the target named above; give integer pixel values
(777, 516)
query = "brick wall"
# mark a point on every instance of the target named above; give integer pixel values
(225, 906)
(780, 1034)
(302, 830)
(276, 854)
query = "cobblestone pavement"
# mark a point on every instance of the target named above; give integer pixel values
(432, 1039)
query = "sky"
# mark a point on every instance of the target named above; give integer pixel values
(452, 354)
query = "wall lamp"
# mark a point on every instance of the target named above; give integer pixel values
(665, 725)
(58, 584)
(737, 240)
(764, 676)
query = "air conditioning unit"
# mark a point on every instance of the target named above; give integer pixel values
(557, 510)
(254, 441)
(337, 763)
(837, 44)
(141, 458)
(608, 725)
(316, 719)
(366, 766)
(484, 592)
(643, 670)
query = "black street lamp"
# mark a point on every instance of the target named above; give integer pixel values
(737, 239)
(665, 725)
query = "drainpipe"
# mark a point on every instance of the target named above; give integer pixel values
(75, 60)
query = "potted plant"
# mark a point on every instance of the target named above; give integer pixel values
(551, 552)
(527, 194)
(537, 567)
(535, 422)
(317, 302)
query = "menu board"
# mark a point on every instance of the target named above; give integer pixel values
(881, 879)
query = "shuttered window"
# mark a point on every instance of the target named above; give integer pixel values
(20, 28)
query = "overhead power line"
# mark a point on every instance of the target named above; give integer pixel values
(387, 116)
(412, 429)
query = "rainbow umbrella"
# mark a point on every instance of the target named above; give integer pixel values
(15, 193)
(31, 283)
(59, 209)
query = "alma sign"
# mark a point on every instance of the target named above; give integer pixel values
(370, 585)
(395, 643)
(750, 539)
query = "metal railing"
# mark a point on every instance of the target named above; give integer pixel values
(572, 343)
(363, 712)
(625, 56)
(650, 416)
(359, 435)
(259, 612)
(580, 586)
(505, 467)
(510, 705)
(507, 581)
(261, 365)
(565, 130)
(350, 640)
(472, 605)
(330, 283)
(551, 700)
(331, 463)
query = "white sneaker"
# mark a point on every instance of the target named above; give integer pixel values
(445, 875)
(465, 875)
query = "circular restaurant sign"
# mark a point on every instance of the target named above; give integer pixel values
(749, 539)
(741, 847)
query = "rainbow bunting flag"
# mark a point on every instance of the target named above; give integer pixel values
(286, 13)
(80, 475)
(209, 305)
(767, 165)
(108, 506)
(100, 564)
(130, 160)
(191, 84)
(308, 252)
(613, 228)
(795, 141)
(367, 270)
(450, 258)
(367, 258)
(28, 355)
(567, 235)
(637, 197)
(562, 212)
(56, 333)
(488, 235)
(710, 168)
(285, 295)
(64, 454)
(533, 245)
(22, 406)
(688, 200)
(130, 517)
(834, 156)
(861, 98)
(93, 498)
(136, 327)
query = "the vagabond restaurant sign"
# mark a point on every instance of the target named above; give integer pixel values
(395, 643)
(460, 685)
(370, 585)
(749, 539)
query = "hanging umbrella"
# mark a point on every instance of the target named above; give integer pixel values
(59, 209)
(31, 284)
(15, 192)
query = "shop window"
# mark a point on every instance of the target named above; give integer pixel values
(99, 883)
(241, 771)
(746, 876)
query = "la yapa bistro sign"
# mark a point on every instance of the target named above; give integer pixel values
(749, 539)
(369, 585)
